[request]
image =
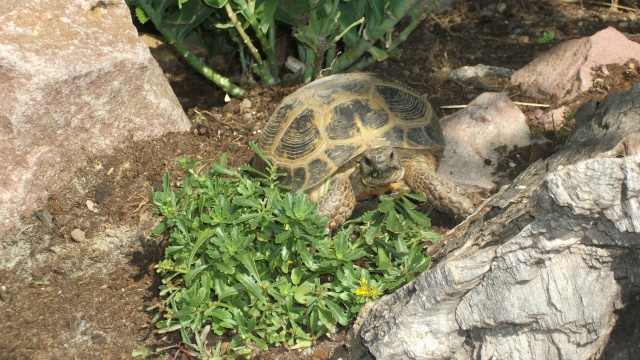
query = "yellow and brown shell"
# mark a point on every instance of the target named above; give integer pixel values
(326, 124)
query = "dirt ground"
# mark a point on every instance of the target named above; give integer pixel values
(75, 298)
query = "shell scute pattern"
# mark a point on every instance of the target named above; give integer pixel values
(301, 137)
(327, 123)
(268, 138)
(326, 95)
(417, 136)
(318, 170)
(404, 105)
(299, 177)
(353, 118)
(341, 154)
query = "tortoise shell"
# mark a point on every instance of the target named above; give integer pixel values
(329, 122)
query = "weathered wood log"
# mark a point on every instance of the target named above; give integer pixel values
(544, 270)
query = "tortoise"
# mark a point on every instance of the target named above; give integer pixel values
(348, 134)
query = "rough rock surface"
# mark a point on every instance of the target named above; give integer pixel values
(566, 70)
(553, 120)
(474, 135)
(76, 81)
(547, 269)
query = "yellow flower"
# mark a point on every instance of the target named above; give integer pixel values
(363, 290)
(367, 291)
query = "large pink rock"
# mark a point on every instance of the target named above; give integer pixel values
(474, 135)
(565, 71)
(76, 81)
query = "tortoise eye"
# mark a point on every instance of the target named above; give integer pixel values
(391, 155)
(366, 161)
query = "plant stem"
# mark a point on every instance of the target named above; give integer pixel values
(417, 15)
(374, 34)
(260, 68)
(205, 70)
(172, 269)
(198, 64)
(267, 45)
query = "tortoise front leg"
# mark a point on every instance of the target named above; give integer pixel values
(338, 202)
(441, 194)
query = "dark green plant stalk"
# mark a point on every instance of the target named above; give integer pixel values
(268, 44)
(271, 56)
(203, 69)
(417, 14)
(373, 35)
(331, 52)
(260, 68)
(199, 65)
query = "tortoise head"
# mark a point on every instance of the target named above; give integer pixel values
(380, 166)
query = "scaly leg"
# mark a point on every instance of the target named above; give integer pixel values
(338, 202)
(441, 194)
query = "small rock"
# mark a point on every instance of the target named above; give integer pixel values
(232, 106)
(245, 105)
(91, 206)
(554, 119)
(245, 109)
(46, 218)
(78, 235)
(102, 191)
(468, 72)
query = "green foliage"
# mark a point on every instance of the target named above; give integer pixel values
(546, 37)
(332, 35)
(248, 259)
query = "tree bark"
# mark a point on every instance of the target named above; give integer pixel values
(547, 268)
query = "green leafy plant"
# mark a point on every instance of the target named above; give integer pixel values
(205, 21)
(249, 260)
(546, 37)
(332, 35)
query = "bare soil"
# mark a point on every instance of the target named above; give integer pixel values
(66, 298)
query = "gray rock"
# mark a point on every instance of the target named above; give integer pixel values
(544, 270)
(467, 73)
(76, 81)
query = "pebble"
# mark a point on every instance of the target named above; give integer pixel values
(231, 107)
(46, 218)
(78, 235)
(245, 105)
(91, 206)
(102, 191)
(468, 72)
(245, 109)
